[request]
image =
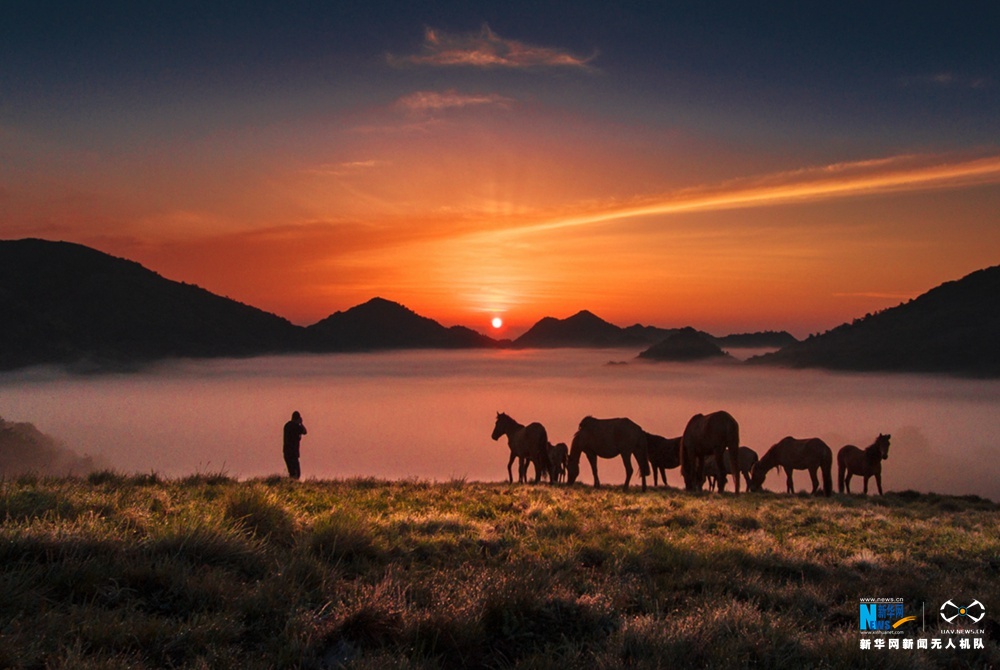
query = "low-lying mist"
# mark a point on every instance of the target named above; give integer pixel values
(430, 414)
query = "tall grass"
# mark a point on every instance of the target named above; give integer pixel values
(118, 571)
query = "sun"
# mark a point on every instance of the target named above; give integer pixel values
(497, 322)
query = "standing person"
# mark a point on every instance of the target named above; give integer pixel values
(294, 430)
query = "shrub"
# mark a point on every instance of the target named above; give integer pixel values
(258, 512)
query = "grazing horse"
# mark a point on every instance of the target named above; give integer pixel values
(809, 454)
(608, 438)
(704, 436)
(748, 458)
(527, 443)
(862, 462)
(558, 455)
(664, 454)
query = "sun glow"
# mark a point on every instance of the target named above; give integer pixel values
(497, 322)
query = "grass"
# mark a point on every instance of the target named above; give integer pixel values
(117, 571)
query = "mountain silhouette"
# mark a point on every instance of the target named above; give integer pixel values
(66, 303)
(687, 344)
(383, 324)
(762, 339)
(953, 328)
(584, 329)
(24, 449)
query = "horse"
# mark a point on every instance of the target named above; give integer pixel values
(865, 463)
(527, 443)
(792, 454)
(748, 458)
(708, 435)
(558, 455)
(664, 454)
(608, 438)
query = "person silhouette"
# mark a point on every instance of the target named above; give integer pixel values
(294, 430)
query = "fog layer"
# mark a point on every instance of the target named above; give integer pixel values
(430, 414)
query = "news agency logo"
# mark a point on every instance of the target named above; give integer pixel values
(882, 616)
(973, 612)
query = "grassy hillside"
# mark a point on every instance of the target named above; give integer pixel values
(208, 572)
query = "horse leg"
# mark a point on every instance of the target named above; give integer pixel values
(522, 470)
(867, 477)
(815, 480)
(847, 482)
(720, 471)
(878, 482)
(593, 466)
(789, 485)
(627, 462)
(510, 474)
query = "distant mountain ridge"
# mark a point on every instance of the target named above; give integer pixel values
(953, 328)
(687, 344)
(67, 304)
(585, 329)
(383, 324)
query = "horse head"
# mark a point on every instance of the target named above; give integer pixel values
(757, 475)
(501, 425)
(572, 467)
(883, 442)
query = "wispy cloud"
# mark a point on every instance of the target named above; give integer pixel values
(947, 80)
(486, 49)
(433, 101)
(344, 168)
(843, 180)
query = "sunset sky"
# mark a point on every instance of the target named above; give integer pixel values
(733, 166)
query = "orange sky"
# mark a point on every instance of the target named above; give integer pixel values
(477, 173)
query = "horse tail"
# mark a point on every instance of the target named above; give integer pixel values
(827, 466)
(841, 469)
(640, 449)
(683, 454)
(734, 455)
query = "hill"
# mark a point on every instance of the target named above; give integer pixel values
(767, 338)
(66, 303)
(383, 324)
(25, 449)
(687, 344)
(953, 328)
(119, 571)
(585, 329)
(71, 305)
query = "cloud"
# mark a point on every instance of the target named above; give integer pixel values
(947, 80)
(843, 180)
(432, 101)
(486, 49)
(345, 168)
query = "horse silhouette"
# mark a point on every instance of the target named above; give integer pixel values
(607, 438)
(527, 444)
(705, 436)
(558, 455)
(809, 454)
(664, 454)
(865, 463)
(748, 458)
